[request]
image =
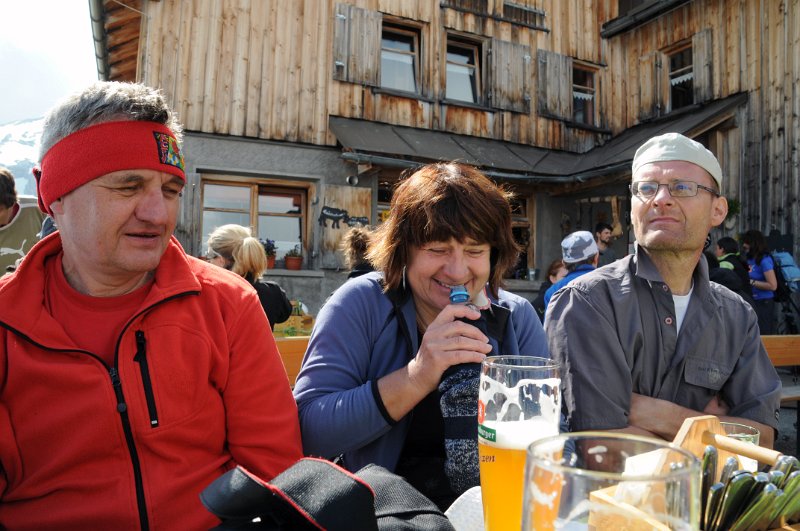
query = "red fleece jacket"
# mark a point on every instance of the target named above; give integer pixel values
(88, 446)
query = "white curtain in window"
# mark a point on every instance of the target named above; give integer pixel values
(681, 79)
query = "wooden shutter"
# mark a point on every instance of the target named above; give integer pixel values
(356, 45)
(649, 83)
(509, 74)
(701, 65)
(554, 88)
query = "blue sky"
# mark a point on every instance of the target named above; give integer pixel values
(46, 53)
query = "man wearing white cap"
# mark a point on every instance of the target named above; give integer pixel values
(580, 254)
(665, 343)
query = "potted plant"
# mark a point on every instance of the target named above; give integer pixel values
(293, 258)
(269, 248)
(734, 208)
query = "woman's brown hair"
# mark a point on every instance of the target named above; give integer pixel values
(439, 202)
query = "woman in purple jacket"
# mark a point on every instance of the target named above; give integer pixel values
(371, 388)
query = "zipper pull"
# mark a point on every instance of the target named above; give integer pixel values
(115, 381)
(140, 346)
(122, 407)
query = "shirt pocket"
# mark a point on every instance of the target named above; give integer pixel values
(706, 373)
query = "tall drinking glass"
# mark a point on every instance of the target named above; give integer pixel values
(519, 401)
(610, 481)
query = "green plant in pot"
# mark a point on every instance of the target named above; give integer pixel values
(293, 258)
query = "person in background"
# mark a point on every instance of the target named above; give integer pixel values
(372, 385)
(579, 253)
(131, 374)
(603, 238)
(354, 246)
(48, 227)
(20, 220)
(728, 278)
(727, 252)
(555, 272)
(234, 248)
(763, 281)
(649, 341)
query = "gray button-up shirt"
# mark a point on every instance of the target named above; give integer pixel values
(614, 331)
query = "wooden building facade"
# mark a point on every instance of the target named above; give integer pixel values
(300, 115)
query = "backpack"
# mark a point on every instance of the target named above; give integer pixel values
(315, 494)
(788, 275)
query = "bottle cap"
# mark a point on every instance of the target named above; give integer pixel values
(459, 294)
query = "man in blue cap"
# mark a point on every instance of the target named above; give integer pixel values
(580, 254)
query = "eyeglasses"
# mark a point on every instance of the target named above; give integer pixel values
(211, 253)
(648, 189)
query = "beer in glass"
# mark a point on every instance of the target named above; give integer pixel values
(519, 401)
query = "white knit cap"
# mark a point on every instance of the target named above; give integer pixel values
(578, 246)
(675, 146)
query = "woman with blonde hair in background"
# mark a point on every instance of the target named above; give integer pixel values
(233, 247)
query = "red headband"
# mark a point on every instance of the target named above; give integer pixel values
(104, 148)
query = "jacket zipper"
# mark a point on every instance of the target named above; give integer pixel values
(141, 359)
(122, 409)
(141, 503)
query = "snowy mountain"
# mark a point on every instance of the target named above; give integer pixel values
(19, 151)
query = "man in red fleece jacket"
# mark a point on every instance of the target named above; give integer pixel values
(131, 374)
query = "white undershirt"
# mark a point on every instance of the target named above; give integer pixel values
(681, 305)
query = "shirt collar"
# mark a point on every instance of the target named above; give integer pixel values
(645, 268)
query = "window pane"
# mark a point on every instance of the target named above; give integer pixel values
(279, 203)
(397, 71)
(284, 230)
(212, 220)
(583, 96)
(398, 60)
(583, 78)
(397, 41)
(460, 83)
(460, 55)
(680, 60)
(681, 77)
(221, 196)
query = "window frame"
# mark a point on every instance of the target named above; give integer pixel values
(686, 49)
(478, 48)
(398, 28)
(257, 188)
(592, 73)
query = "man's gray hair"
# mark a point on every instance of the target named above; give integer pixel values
(106, 101)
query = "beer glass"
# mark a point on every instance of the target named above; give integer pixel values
(610, 481)
(519, 401)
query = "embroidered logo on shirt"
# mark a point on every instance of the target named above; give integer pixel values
(713, 375)
(168, 150)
